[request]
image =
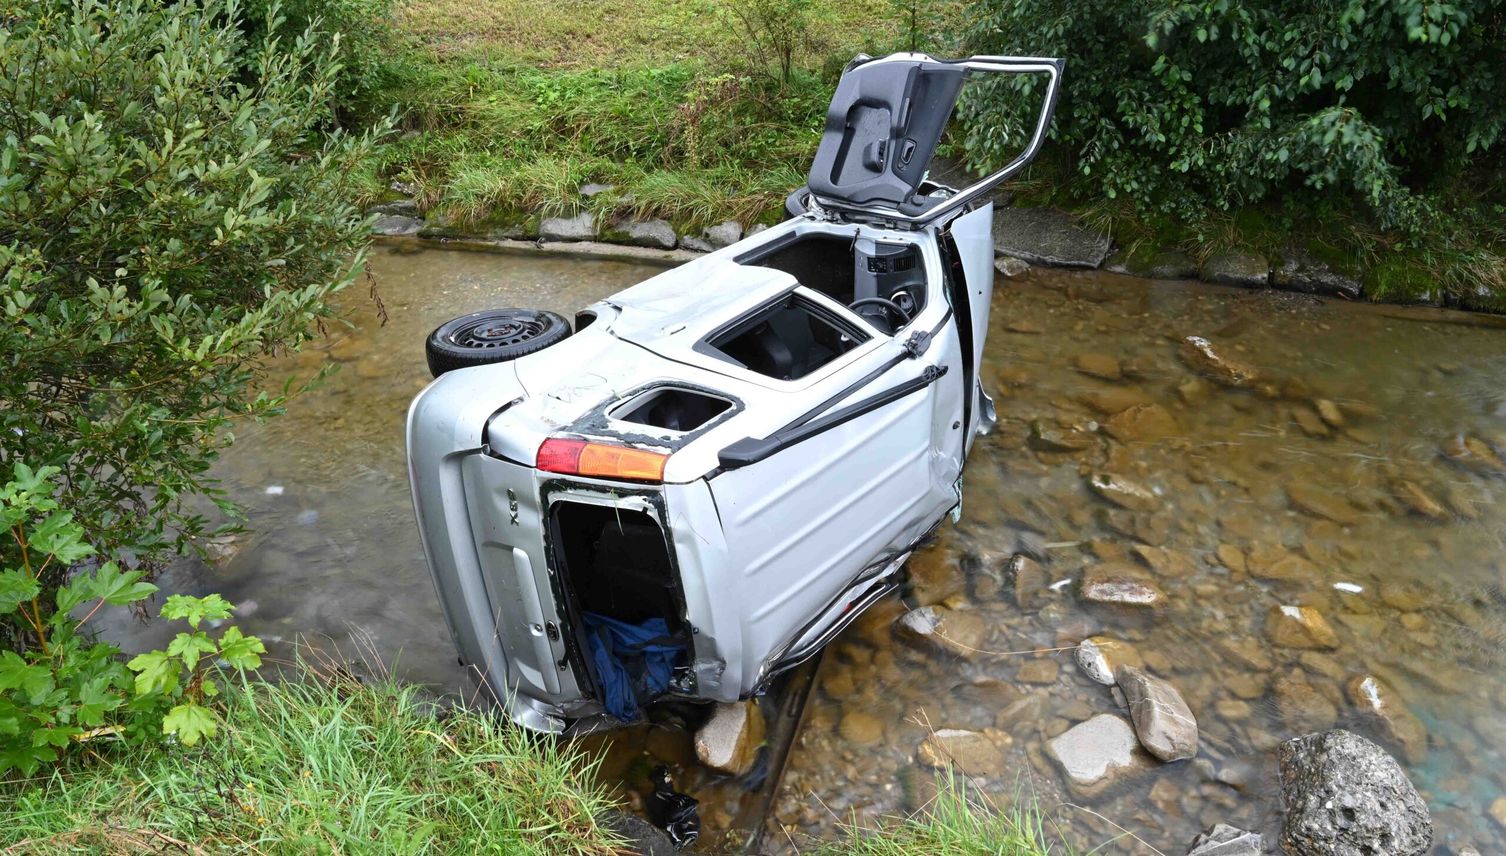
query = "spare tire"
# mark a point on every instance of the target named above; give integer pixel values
(493, 336)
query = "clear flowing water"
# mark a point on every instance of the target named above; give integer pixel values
(1258, 502)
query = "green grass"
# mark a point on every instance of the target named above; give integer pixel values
(314, 766)
(954, 823)
(512, 105)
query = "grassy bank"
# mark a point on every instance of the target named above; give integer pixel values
(688, 108)
(320, 767)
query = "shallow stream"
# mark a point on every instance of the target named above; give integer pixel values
(1350, 474)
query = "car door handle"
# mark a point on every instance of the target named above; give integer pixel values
(751, 450)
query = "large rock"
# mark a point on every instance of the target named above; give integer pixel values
(729, 740)
(657, 234)
(1203, 357)
(1047, 236)
(1237, 267)
(1093, 755)
(1225, 840)
(977, 753)
(1100, 657)
(1344, 796)
(1119, 584)
(581, 227)
(1299, 270)
(723, 234)
(1379, 701)
(948, 630)
(396, 225)
(1163, 722)
(1299, 627)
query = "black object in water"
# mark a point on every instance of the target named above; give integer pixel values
(672, 811)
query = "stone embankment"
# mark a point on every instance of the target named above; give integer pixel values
(1022, 237)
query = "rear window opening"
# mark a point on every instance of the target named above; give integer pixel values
(786, 340)
(626, 595)
(672, 408)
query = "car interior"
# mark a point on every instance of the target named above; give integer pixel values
(883, 282)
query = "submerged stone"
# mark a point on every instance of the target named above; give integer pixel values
(1201, 356)
(977, 753)
(1123, 492)
(1141, 423)
(1045, 438)
(1299, 627)
(1119, 584)
(1103, 366)
(1418, 500)
(1378, 700)
(1319, 503)
(947, 630)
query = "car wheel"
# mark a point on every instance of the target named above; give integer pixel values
(493, 336)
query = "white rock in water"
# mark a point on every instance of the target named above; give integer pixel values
(729, 740)
(1095, 754)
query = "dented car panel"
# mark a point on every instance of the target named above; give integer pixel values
(728, 462)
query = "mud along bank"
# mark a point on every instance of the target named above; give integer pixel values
(1336, 456)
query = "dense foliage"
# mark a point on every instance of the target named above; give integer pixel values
(174, 204)
(1386, 113)
(1219, 103)
(63, 689)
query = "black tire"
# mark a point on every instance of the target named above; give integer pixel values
(493, 336)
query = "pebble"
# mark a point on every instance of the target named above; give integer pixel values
(1119, 584)
(1299, 627)
(1095, 754)
(1100, 656)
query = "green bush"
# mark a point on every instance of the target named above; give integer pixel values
(167, 218)
(360, 30)
(1188, 106)
(60, 688)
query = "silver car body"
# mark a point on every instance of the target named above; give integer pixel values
(787, 503)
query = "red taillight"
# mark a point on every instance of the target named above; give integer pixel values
(580, 458)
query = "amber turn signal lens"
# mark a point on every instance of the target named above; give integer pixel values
(580, 458)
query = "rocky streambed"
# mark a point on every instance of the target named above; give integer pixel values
(1284, 509)
(1211, 520)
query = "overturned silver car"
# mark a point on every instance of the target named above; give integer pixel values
(724, 465)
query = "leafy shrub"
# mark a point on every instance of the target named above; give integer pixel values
(360, 29)
(166, 219)
(60, 688)
(1191, 105)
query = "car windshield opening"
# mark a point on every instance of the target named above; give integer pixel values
(786, 340)
(850, 269)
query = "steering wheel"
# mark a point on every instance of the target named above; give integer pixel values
(887, 304)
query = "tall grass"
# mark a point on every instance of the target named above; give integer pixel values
(322, 766)
(954, 823)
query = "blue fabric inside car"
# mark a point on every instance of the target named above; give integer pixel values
(631, 661)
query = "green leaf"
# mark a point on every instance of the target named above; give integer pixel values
(241, 651)
(189, 722)
(34, 680)
(156, 672)
(58, 536)
(196, 609)
(95, 700)
(16, 588)
(189, 647)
